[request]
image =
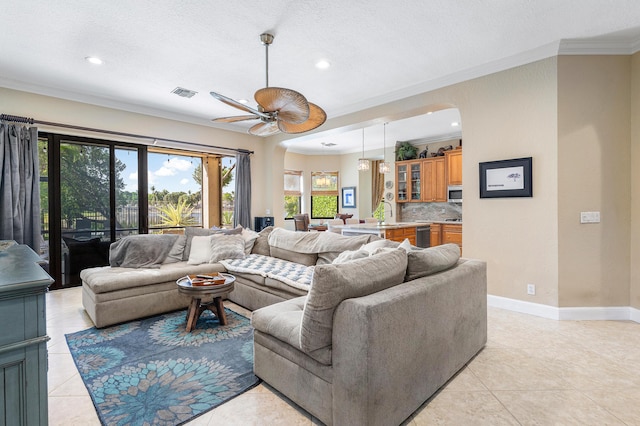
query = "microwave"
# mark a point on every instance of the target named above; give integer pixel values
(454, 193)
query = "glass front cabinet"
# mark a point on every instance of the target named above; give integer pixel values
(408, 181)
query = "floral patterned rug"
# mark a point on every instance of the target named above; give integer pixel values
(152, 372)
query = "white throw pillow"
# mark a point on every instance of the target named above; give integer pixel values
(405, 245)
(349, 255)
(374, 245)
(200, 250)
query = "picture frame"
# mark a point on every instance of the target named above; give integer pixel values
(506, 178)
(348, 197)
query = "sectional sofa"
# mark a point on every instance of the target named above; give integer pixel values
(355, 330)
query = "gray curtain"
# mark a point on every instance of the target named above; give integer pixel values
(242, 209)
(19, 185)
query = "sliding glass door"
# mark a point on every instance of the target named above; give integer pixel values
(89, 198)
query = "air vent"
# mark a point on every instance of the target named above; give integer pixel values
(185, 93)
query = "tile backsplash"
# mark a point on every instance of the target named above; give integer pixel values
(409, 212)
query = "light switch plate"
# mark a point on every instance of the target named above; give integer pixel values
(589, 217)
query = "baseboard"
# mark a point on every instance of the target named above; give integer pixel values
(614, 313)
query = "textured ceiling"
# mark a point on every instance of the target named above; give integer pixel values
(378, 50)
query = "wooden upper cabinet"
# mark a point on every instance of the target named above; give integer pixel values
(434, 185)
(454, 166)
(409, 186)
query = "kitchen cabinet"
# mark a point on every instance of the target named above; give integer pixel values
(435, 236)
(452, 233)
(454, 166)
(408, 181)
(446, 233)
(400, 234)
(435, 189)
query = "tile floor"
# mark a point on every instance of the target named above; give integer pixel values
(533, 371)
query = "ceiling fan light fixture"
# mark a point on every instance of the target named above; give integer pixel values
(279, 109)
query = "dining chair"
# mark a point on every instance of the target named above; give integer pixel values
(351, 221)
(301, 222)
(370, 220)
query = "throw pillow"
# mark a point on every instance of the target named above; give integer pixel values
(176, 252)
(200, 250)
(431, 260)
(405, 245)
(349, 255)
(261, 244)
(249, 236)
(334, 283)
(225, 247)
(192, 232)
(374, 245)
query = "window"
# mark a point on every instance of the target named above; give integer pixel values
(324, 195)
(228, 173)
(175, 191)
(292, 193)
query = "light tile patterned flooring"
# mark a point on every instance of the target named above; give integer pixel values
(533, 371)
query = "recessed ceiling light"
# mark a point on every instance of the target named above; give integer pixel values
(243, 101)
(323, 64)
(455, 124)
(94, 60)
(430, 112)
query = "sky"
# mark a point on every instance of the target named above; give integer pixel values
(171, 172)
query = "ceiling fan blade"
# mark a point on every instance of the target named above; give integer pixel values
(236, 104)
(264, 129)
(290, 105)
(317, 117)
(235, 118)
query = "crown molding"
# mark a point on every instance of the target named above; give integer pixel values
(599, 47)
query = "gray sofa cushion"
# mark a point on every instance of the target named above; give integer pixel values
(334, 283)
(261, 244)
(431, 260)
(326, 245)
(308, 259)
(282, 321)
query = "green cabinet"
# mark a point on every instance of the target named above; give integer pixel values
(23, 340)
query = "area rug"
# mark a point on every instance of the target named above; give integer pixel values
(152, 372)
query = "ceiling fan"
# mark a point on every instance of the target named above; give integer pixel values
(279, 109)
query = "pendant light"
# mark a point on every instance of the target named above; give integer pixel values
(384, 167)
(363, 163)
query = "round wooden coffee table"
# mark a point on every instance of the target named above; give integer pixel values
(197, 293)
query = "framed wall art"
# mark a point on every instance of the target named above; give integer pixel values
(506, 178)
(348, 197)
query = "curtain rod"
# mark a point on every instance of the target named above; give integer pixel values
(18, 119)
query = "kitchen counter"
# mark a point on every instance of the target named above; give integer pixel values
(364, 227)
(442, 222)
(390, 231)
